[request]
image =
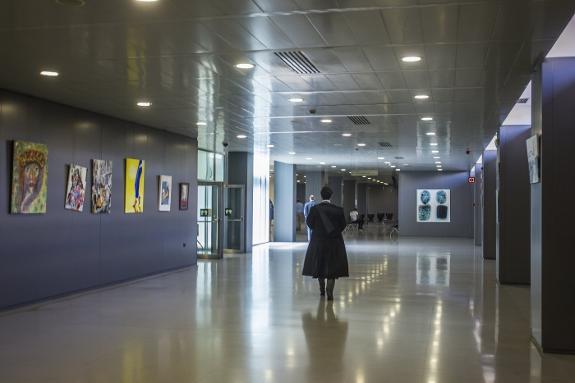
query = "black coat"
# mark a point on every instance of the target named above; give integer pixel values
(326, 256)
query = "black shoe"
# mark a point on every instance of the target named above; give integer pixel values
(330, 297)
(322, 293)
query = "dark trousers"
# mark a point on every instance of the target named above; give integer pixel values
(330, 286)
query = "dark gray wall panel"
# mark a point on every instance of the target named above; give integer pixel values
(513, 198)
(478, 205)
(241, 172)
(489, 188)
(461, 224)
(285, 199)
(63, 251)
(336, 184)
(348, 196)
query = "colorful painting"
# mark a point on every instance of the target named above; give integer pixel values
(76, 188)
(433, 205)
(184, 195)
(29, 178)
(165, 193)
(134, 193)
(101, 186)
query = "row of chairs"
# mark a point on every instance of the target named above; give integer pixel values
(381, 217)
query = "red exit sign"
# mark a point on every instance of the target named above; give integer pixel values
(471, 180)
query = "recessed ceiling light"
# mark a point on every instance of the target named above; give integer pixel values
(439, 170)
(393, 166)
(349, 172)
(421, 97)
(334, 166)
(433, 144)
(438, 162)
(144, 104)
(270, 146)
(430, 134)
(343, 170)
(309, 158)
(346, 134)
(361, 144)
(244, 66)
(146, 1)
(436, 158)
(291, 153)
(322, 163)
(296, 99)
(326, 121)
(435, 151)
(201, 123)
(387, 162)
(426, 118)
(241, 136)
(397, 170)
(411, 59)
(405, 164)
(363, 176)
(49, 73)
(381, 158)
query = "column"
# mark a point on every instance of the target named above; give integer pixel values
(314, 184)
(478, 205)
(240, 172)
(349, 196)
(362, 198)
(336, 184)
(552, 221)
(513, 218)
(488, 203)
(285, 198)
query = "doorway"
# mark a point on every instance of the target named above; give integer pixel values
(234, 219)
(210, 201)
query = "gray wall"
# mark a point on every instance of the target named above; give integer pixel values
(362, 198)
(348, 196)
(63, 251)
(382, 199)
(336, 184)
(241, 172)
(285, 199)
(478, 204)
(513, 195)
(489, 189)
(313, 185)
(461, 224)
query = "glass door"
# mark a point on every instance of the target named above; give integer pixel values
(234, 222)
(209, 222)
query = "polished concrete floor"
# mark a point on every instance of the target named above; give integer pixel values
(413, 310)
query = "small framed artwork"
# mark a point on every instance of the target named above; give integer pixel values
(533, 158)
(76, 188)
(184, 195)
(165, 193)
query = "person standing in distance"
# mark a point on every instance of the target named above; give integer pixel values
(326, 257)
(306, 208)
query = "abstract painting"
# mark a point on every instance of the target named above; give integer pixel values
(76, 188)
(134, 193)
(101, 186)
(29, 178)
(433, 205)
(533, 158)
(165, 193)
(184, 195)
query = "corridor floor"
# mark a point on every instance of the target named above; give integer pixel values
(413, 310)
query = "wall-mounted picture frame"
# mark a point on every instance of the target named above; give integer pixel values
(29, 178)
(134, 187)
(76, 188)
(184, 195)
(433, 206)
(533, 159)
(165, 193)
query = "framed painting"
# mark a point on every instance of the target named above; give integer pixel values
(29, 178)
(165, 193)
(134, 192)
(76, 188)
(101, 186)
(184, 195)
(433, 205)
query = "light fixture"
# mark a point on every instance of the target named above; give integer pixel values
(322, 163)
(333, 166)
(430, 134)
(144, 104)
(201, 123)
(381, 158)
(363, 176)
(346, 134)
(433, 144)
(343, 170)
(296, 99)
(244, 66)
(398, 170)
(361, 144)
(421, 96)
(435, 151)
(393, 166)
(426, 118)
(308, 158)
(436, 158)
(146, 1)
(439, 170)
(326, 121)
(241, 136)
(270, 146)
(291, 153)
(411, 59)
(438, 162)
(49, 73)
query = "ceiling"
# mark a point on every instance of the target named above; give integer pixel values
(180, 55)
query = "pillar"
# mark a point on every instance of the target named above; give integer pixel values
(336, 184)
(314, 183)
(348, 196)
(362, 198)
(285, 198)
(552, 221)
(513, 247)
(478, 204)
(488, 203)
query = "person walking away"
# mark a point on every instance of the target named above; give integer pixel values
(326, 257)
(306, 208)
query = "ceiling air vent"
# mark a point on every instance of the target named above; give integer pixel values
(523, 100)
(385, 144)
(359, 120)
(298, 62)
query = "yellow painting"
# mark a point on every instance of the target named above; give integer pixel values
(135, 171)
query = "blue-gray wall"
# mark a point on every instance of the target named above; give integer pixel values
(62, 251)
(489, 204)
(461, 224)
(285, 199)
